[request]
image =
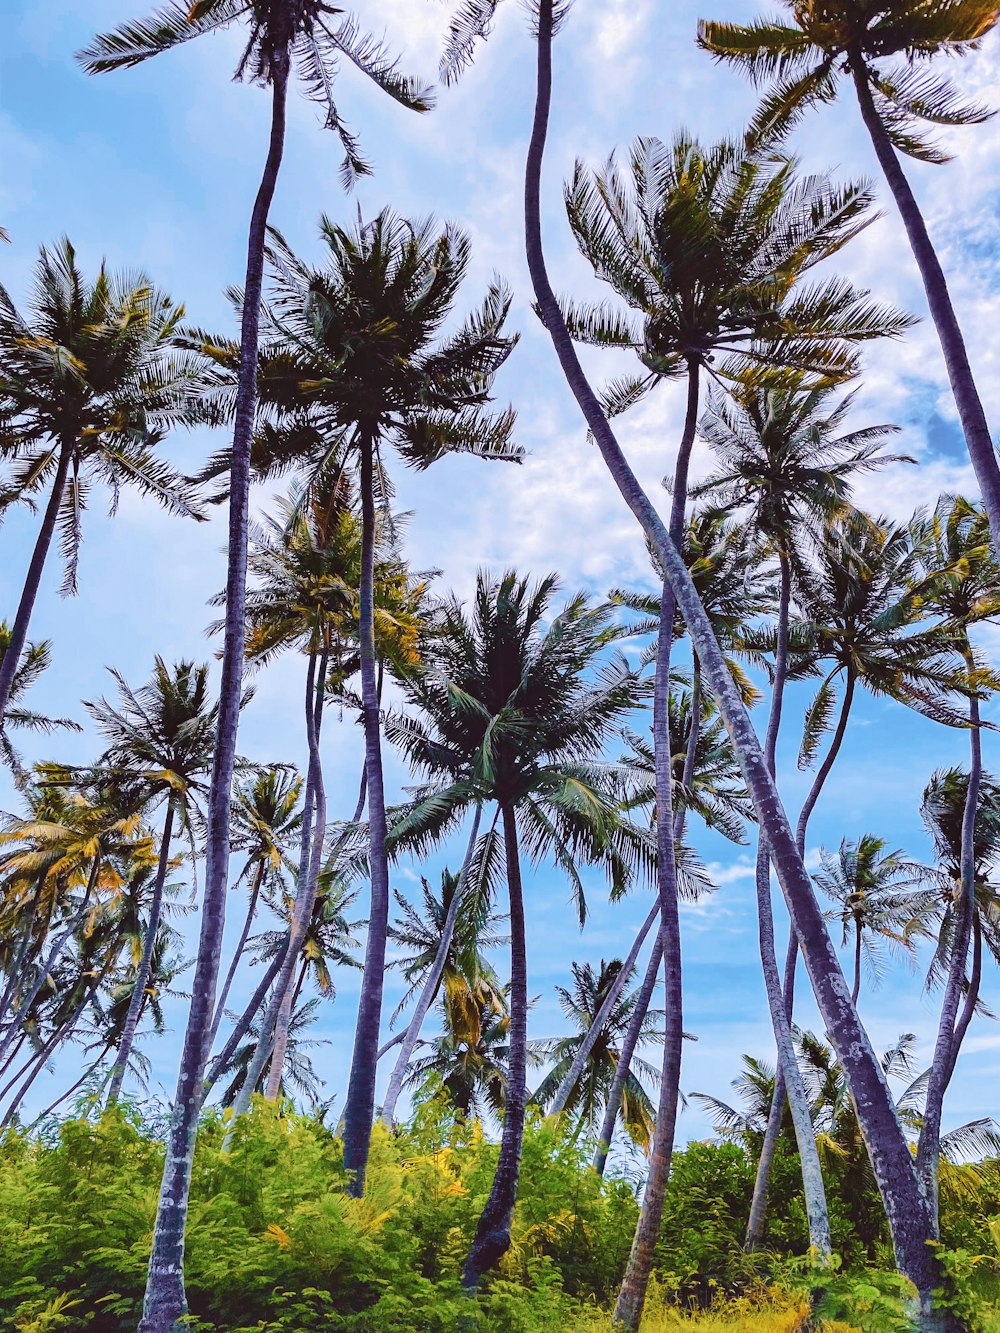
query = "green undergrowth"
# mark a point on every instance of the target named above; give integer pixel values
(276, 1245)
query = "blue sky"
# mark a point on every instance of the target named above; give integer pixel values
(157, 167)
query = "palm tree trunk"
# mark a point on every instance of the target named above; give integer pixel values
(632, 1296)
(906, 1207)
(310, 859)
(220, 1007)
(788, 1080)
(432, 981)
(19, 629)
(360, 1104)
(55, 1039)
(946, 1046)
(956, 357)
(165, 1303)
(18, 965)
(63, 1096)
(145, 962)
(492, 1238)
(856, 988)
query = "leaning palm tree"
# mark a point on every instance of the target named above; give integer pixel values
(90, 379)
(588, 1100)
(311, 36)
(905, 1201)
(872, 888)
(514, 711)
(35, 658)
(881, 48)
(356, 362)
(160, 740)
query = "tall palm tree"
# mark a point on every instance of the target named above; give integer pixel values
(35, 658)
(880, 48)
(514, 711)
(873, 892)
(357, 363)
(904, 1200)
(588, 1102)
(160, 740)
(90, 378)
(311, 36)
(966, 592)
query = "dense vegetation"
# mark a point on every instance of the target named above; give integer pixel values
(479, 1183)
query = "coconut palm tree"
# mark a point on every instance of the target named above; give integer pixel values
(966, 592)
(358, 363)
(873, 891)
(472, 1075)
(35, 659)
(588, 1102)
(515, 712)
(310, 36)
(160, 741)
(90, 379)
(883, 49)
(904, 1200)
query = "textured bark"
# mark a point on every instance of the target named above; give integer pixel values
(432, 982)
(165, 1302)
(359, 1106)
(956, 357)
(145, 962)
(946, 1046)
(492, 1239)
(905, 1204)
(33, 578)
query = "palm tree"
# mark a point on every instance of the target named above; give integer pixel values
(297, 1068)
(510, 713)
(872, 889)
(444, 944)
(357, 362)
(880, 48)
(266, 818)
(312, 35)
(904, 1200)
(90, 379)
(588, 1101)
(35, 659)
(160, 741)
(473, 1075)
(966, 591)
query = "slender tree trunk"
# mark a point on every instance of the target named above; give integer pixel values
(432, 981)
(632, 1296)
(220, 1008)
(63, 1096)
(956, 357)
(18, 965)
(360, 1104)
(19, 629)
(165, 1303)
(772, 1133)
(906, 1207)
(305, 898)
(856, 988)
(145, 962)
(56, 1038)
(946, 1046)
(789, 1077)
(492, 1238)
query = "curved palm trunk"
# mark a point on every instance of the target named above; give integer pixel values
(632, 1296)
(360, 1103)
(430, 987)
(905, 1204)
(64, 1096)
(17, 966)
(946, 1046)
(33, 578)
(145, 962)
(765, 1163)
(788, 1081)
(220, 1007)
(272, 1039)
(956, 357)
(492, 1238)
(165, 1303)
